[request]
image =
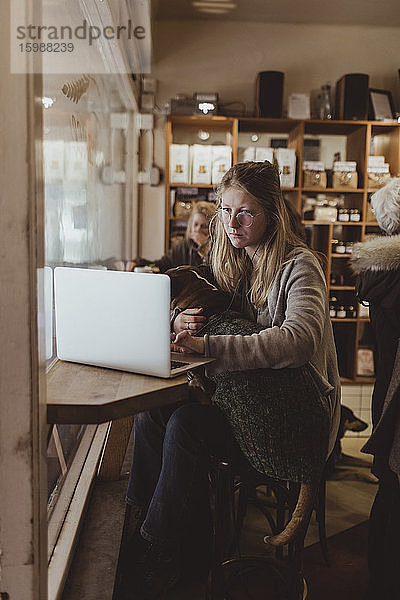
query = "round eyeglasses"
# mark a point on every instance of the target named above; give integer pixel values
(243, 217)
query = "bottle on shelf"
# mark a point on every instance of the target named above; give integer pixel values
(325, 102)
(351, 312)
(341, 312)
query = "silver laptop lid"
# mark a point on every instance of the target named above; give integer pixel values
(113, 319)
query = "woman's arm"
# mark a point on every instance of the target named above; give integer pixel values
(298, 307)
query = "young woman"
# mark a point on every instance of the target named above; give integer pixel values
(258, 257)
(193, 250)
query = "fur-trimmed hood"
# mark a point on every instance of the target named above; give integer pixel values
(378, 254)
(376, 263)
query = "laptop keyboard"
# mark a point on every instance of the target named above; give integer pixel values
(175, 364)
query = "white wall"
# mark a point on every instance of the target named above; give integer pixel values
(225, 57)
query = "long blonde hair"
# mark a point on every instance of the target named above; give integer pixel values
(283, 236)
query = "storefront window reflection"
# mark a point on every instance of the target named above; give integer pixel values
(85, 140)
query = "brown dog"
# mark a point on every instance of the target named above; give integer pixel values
(190, 289)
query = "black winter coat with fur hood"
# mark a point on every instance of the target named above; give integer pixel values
(376, 264)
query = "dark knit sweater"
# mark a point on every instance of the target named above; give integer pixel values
(278, 416)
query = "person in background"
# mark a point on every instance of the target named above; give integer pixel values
(376, 264)
(193, 250)
(258, 256)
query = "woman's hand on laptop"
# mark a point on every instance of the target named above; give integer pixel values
(190, 319)
(185, 343)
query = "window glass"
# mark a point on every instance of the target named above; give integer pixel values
(85, 148)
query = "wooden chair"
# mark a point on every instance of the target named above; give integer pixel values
(229, 566)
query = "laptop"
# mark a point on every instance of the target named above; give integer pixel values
(118, 320)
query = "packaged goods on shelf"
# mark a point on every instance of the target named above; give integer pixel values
(343, 215)
(179, 163)
(258, 153)
(263, 154)
(378, 176)
(354, 215)
(314, 174)
(376, 161)
(345, 174)
(332, 307)
(286, 159)
(351, 312)
(182, 209)
(365, 362)
(320, 208)
(201, 163)
(249, 153)
(184, 199)
(363, 310)
(324, 209)
(221, 162)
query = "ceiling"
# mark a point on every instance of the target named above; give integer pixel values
(335, 12)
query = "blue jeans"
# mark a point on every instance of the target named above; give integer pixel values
(169, 474)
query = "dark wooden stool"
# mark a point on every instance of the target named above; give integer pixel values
(229, 567)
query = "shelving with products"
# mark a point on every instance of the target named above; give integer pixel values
(335, 215)
(199, 151)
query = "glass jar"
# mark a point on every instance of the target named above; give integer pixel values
(343, 214)
(340, 247)
(341, 312)
(332, 307)
(351, 312)
(355, 215)
(325, 102)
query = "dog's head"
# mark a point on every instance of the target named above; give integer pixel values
(349, 421)
(191, 289)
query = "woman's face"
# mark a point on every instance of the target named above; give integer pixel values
(199, 231)
(235, 201)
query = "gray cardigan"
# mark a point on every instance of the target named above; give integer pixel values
(297, 331)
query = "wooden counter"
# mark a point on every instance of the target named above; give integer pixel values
(83, 394)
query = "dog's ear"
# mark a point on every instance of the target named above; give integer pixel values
(180, 276)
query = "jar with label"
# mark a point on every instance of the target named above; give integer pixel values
(341, 312)
(340, 247)
(351, 312)
(332, 307)
(355, 215)
(343, 214)
(349, 247)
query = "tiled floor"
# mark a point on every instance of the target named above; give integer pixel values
(349, 498)
(358, 399)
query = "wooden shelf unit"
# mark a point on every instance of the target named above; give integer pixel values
(359, 139)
